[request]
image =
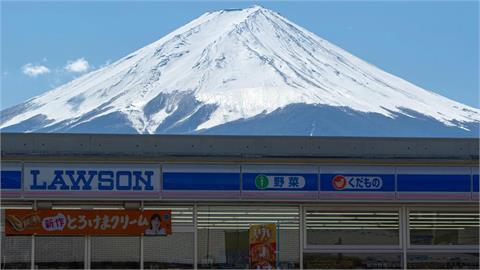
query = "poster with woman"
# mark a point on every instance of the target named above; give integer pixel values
(88, 222)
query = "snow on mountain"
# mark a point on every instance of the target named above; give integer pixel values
(234, 66)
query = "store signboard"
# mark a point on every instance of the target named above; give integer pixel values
(357, 182)
(233, 182)
(280, 181)
(263, 246)
(88, 222)
(182, 181)
(91, 180)
(11, 179)
(452, 183)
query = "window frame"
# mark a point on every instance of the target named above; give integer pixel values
(368, 248)
(352, 251)
(434, 248)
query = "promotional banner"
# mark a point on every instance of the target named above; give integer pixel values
(263, 246)
(88, 222)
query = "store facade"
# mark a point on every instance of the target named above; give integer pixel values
(405, 203)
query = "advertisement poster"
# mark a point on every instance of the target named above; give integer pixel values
(263, 246)
(88, 222)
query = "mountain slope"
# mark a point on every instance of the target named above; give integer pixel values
(231, 68)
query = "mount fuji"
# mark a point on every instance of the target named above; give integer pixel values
(243, 72)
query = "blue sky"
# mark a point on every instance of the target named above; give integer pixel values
(433, 44)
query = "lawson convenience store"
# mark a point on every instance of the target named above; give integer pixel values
(135, 201)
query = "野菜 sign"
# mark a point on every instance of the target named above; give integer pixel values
(279, 181)
(263, 246)
(88, 222)
(263, 181)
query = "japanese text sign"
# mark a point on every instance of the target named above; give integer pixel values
(88, 222)
(263, 246)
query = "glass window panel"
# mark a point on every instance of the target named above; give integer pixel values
(59, 252)
(175, 250)
(352, 227)
(16, 250)
(443, 261)
(443, 227)
(351, 261)
(120, 252)
(223, 235)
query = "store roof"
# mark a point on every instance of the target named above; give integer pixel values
(245, 147)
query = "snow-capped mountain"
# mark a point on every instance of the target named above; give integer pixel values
(242, 71)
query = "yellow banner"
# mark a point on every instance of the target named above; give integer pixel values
(263, 246)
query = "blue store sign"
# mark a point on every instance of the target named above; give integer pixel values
(278, 182)
(11, 180)
(91, 180)
(231, 182)
(433, 183)
(197, 181)
(356, 182)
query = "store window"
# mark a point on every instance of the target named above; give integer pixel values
(175, 250)
(59, 252)
(16, 250)
(352, 261)
(223, 235)
(118, 252)
(444, 227)
(442, 261)
(330, 227)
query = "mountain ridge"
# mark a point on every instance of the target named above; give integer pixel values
(228, 66)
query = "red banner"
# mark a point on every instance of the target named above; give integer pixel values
(88, 222)
(263, 246)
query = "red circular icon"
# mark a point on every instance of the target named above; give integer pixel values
(339, 182)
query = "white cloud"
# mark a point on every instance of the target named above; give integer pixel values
(34, 70)
(79, 65)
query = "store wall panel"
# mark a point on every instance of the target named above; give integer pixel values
(214, 181)
(11, 179)
(475, 183)
(444, 183)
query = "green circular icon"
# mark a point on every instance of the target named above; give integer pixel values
(261, 181)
